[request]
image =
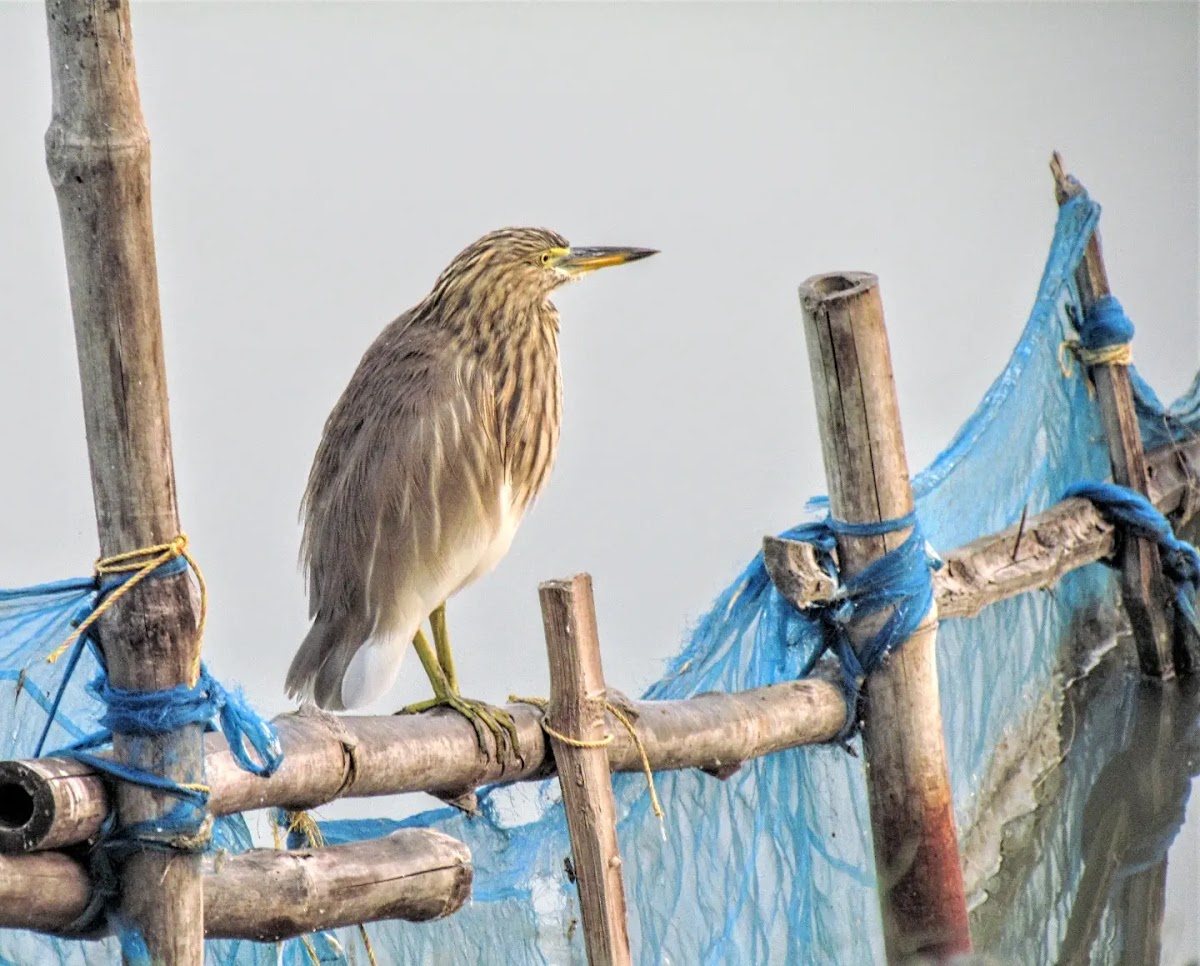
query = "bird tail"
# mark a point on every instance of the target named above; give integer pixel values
(320, 663)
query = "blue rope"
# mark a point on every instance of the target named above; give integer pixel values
(1129, 510)
(253, 743)
(901, 580)
(1105, 325)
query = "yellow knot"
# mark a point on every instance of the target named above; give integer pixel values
(1120, 354)
(141, 563)
(623, 720)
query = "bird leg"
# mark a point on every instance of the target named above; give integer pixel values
(441, 640)
(482, 716)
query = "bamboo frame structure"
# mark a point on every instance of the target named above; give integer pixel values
(98, 157)
(53, 802)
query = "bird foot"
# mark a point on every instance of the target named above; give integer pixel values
(484, 718)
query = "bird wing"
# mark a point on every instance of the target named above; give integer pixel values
(405, 483)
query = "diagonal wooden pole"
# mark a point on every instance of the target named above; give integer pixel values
(1143, 587)
(98, 155)
(917, 864)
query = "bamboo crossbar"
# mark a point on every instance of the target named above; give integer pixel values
(267, 894)
(52, 802)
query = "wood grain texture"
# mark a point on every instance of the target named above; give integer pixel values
(1144, 592)
(98, 156)
(45, 891)
(269, 894)
(912, 820)
(328, 757)
(577, 710)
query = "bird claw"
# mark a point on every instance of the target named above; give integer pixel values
(484, 718)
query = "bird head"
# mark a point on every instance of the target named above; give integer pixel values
(529, 261)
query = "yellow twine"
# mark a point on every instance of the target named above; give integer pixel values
(362, 929)
(623, 720)
(311, 949)
(1109, 355)
(301, 822)
(141, 563)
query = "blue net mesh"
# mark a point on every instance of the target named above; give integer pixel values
(772, 864)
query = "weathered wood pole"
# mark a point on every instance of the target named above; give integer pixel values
(98, 155)
(576, 710)
(912, 819)
(1143, 588)
(270, 894)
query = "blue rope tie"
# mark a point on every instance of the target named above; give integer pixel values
(1105, 337)
(1105, 325)
(901, 579)
(253, 743)
(1132, 512)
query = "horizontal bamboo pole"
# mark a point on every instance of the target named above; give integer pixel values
(269, 894)
(53, 802)
(328, 757)
(1030, 555)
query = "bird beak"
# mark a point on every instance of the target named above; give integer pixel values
(579, 261)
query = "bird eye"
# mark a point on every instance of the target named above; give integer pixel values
(545, 258)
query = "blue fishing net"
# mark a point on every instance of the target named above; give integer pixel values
(773, 864)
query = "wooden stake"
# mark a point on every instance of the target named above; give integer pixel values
(1143, 588)
(270, 894)
(576, 724)
(98, 155)
(912, 818)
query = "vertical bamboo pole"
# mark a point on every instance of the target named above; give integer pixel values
(912, 820)
(1143, 588)
(98, 155)
(576, 710)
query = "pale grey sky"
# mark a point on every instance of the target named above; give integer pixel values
(315, 166)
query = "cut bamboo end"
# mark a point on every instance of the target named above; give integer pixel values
(266, 894)
(48, 803)
(575, 721)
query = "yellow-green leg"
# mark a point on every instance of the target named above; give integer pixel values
(482, 716)
(441, 640)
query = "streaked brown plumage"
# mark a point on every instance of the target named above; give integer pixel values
(443, 438)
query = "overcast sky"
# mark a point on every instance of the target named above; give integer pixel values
(316, 166)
